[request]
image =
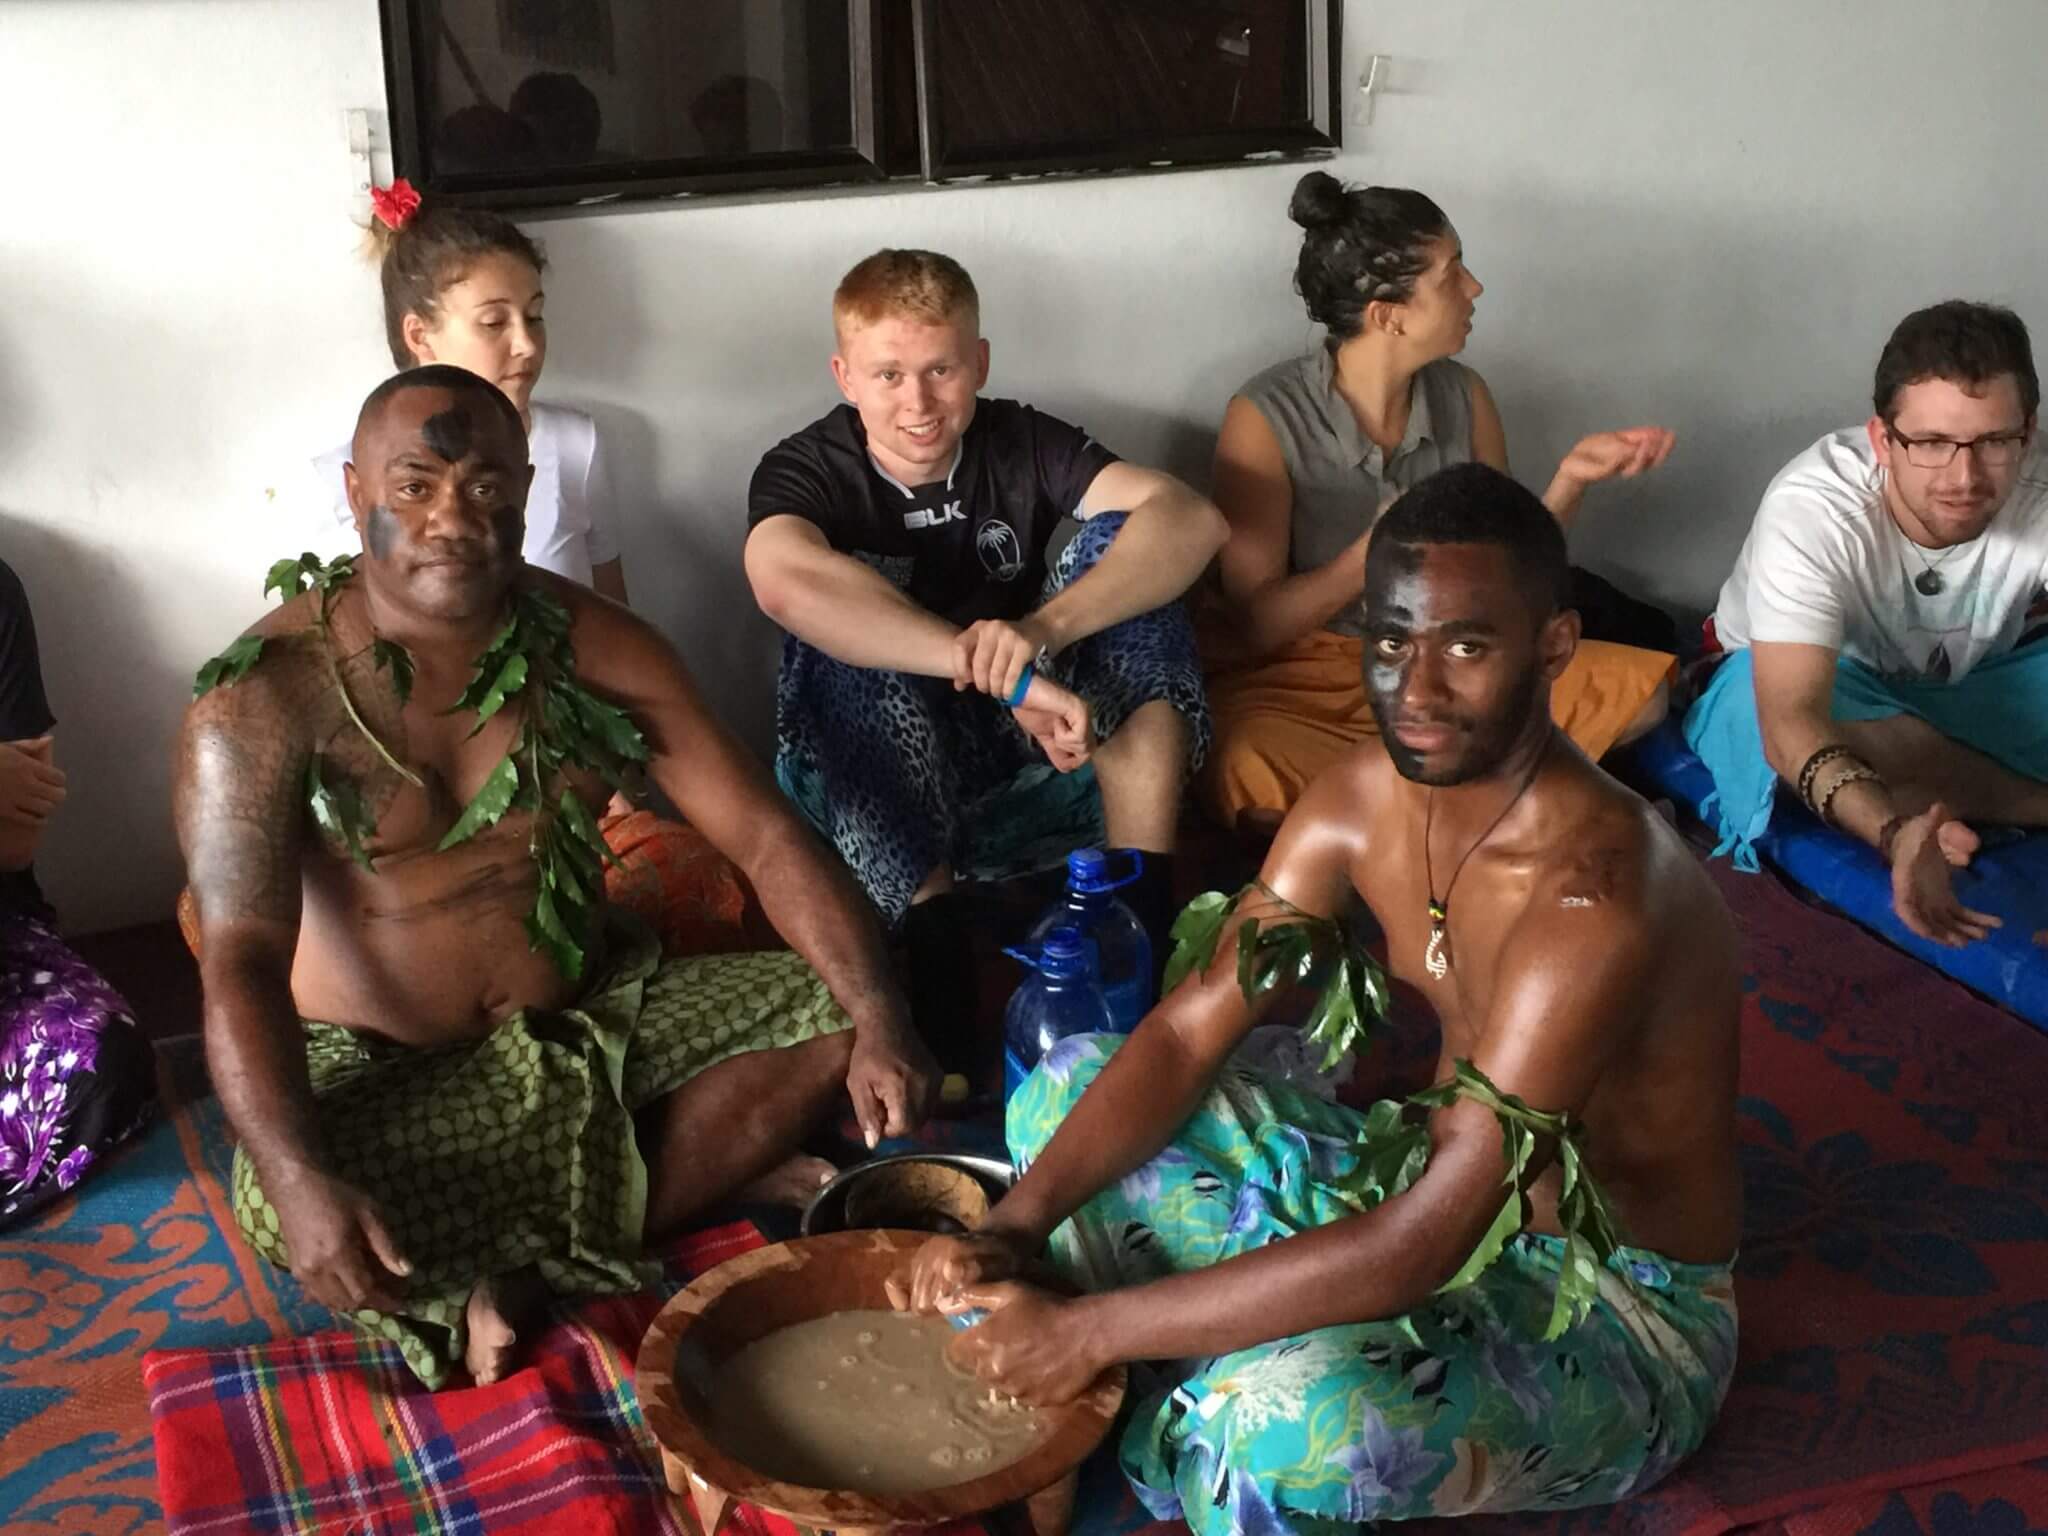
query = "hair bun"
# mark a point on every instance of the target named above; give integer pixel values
(1319, 200)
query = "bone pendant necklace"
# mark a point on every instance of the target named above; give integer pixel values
(1436, 958)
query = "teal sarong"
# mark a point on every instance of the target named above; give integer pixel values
(1999, 707)
(1457, 1408)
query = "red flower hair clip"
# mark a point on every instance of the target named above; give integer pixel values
(395, 205)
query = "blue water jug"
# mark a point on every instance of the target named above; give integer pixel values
(1123, 950)
(1062, 996)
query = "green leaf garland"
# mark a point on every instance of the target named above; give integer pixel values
(338, 810)
(1294, 948)
(230, 666)
(529, 664)
(1591, 1234)
(486, 807)
(289, 578)
(397, 660)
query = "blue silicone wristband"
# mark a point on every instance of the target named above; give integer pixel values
(1023, 686)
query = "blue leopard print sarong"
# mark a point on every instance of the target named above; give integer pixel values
(887, 765)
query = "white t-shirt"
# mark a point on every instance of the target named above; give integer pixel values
(568, 511)
(1825, 564)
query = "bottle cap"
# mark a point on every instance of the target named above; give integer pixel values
(1088, 871)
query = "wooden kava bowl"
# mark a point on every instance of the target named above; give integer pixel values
(751, 1296)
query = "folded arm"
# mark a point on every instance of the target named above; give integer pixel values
(855, 615)
(1170, 534)
(840, 605)
(31, 790)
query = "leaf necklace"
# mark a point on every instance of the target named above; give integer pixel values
(563, 725)
(1436, 959)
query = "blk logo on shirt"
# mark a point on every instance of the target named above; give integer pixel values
(932, 517)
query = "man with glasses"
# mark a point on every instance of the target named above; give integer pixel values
(1879, 615)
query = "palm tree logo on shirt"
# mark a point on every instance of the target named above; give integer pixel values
(1001, 555)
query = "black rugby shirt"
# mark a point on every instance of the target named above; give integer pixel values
(969, 546)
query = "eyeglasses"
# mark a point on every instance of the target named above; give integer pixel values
(1995, 450)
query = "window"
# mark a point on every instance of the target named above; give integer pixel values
(534, 102)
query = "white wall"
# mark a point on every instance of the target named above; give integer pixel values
(1705, 214)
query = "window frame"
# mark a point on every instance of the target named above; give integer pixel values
(872, 164)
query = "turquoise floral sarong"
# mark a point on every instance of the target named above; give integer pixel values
(1457, 1408)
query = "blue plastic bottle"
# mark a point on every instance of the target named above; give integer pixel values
(1061, 997)
(1123, 950)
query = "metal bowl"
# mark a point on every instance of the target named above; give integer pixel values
(827, 1210)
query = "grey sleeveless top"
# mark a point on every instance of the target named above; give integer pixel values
(1342, 481)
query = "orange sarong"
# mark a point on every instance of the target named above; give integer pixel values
(692, 896)
(1283, 720)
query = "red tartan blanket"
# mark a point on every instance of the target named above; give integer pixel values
(332, 1433)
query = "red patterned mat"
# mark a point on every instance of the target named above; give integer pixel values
(1894, 1271)
(1894, 1286)
(2013, 1501)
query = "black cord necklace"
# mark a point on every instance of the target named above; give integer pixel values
(1436, 959)
(1930, 582)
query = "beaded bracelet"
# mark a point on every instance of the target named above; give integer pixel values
(1813, 766)
(1855, 775)
(1887, 835)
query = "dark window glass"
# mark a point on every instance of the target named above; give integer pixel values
(1040, 83)
(516, 87)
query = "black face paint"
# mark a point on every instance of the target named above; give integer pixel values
(508, 527)
(380, 532)
(449, 433)
(1399, 592)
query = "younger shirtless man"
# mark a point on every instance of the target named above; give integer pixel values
(1324, 1373)
(457, 1134)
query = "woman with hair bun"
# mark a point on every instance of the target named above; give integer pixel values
(1315, 448)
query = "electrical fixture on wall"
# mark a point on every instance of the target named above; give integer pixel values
(368, 133)
(1371, 82)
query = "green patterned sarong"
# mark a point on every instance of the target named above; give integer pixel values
(518, 1148)
(1458, 1408)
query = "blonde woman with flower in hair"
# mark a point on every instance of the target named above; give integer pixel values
(464, 286)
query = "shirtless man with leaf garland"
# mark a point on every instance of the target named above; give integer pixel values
(385, 795)
(1425, 1309)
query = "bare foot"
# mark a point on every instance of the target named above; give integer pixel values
(498, 1308)
(789, 1183)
